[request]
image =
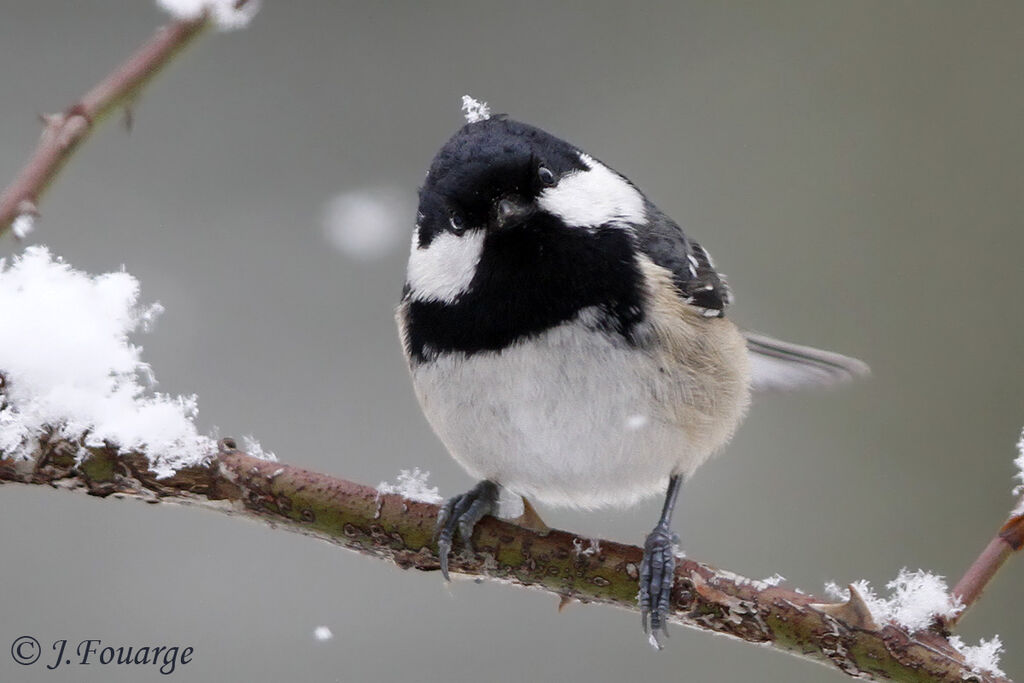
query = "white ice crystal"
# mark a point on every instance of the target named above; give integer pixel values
(475, 110)
(983, 657)
(367, 223)
(322, 633)
(23, 225)
(227, 15)
(68, 364)
(1019, 462)
(250, 446)
(915, 599)
(593, 546)
(413, 486)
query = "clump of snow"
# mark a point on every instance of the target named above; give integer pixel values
(322, 633)
(774, 580)
(593, 547)
(413, 486)
(915, 599)
(227, 15)
(68, 365)
(250, 446)
(475, 110)
(983, 657)
(23, 225)
(368, 223)
(1019, 462)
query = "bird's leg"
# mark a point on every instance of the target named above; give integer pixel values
(461, 513)
(657, 570)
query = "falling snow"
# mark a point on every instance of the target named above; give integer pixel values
(322, 633)
(368, 223)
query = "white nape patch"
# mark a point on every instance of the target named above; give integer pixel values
(443, 270)
(594, 197)
(475, 110)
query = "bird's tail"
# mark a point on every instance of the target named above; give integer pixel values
(777, 365)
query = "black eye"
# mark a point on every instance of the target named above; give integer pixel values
(458, 225)
(545, 175)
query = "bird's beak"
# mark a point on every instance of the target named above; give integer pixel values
(510, 211)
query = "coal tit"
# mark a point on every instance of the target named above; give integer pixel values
(567, 340)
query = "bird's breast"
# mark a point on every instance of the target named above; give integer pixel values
(577, 416)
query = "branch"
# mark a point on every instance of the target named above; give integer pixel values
(1008, 540)
(63, 133)
(392, 528)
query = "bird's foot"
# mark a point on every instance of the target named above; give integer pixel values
(461, 513)
(657, 573)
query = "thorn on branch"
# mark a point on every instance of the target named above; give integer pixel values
(1013, 532)
(854, 612)
(78, 109)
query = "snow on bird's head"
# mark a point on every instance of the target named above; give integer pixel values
(474, 110)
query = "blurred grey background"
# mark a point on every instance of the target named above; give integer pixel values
(854, 167)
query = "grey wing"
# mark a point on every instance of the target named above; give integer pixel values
(777, 365)
(692, 270)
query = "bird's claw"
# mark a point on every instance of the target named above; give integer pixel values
(461, 513)
(657, 574)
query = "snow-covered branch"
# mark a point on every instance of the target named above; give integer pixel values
(387, 526)
(77, 411)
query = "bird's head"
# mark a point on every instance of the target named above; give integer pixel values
(494, 177)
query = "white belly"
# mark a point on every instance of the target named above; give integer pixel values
(574, 418)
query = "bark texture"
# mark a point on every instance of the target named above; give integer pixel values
(392, 528)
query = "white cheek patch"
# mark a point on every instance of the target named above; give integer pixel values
(443, 270)
(596, 196)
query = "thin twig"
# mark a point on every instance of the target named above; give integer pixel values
(1007, 541)
(63, 133)
(840, 635)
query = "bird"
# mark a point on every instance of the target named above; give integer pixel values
(568, 341)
